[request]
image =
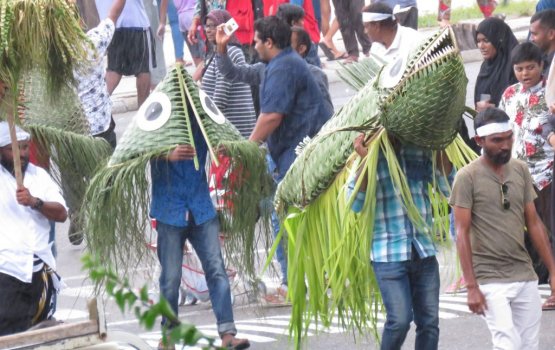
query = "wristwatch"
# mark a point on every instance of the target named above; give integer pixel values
(38, 204)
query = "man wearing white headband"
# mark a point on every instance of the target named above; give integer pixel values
(493, 201)
(27, 277)
(389, 39)
(405, 12)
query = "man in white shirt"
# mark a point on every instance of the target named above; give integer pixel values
(389, 39)
(27, 277)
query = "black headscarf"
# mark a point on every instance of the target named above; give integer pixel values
(496, 74)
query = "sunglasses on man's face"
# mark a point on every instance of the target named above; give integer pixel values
(504, 196)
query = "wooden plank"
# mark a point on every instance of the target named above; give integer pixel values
(85, 342)
(50, 334)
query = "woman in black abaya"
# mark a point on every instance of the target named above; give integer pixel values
(495, 40)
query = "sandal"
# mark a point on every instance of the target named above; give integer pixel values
(327, 51)
(549, 304)
(230, 342)
(342, 56)
(275, 299)
(456, 287)
(350, 59)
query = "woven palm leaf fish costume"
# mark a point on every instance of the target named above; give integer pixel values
(118, 198)
(418, 99)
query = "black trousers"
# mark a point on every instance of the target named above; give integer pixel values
(19, 302)
(349, 16)
(409, 18)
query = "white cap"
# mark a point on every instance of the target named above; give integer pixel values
(375, 16)
(398, 9)
(5, 134)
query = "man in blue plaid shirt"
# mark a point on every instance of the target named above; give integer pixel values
(403, 256)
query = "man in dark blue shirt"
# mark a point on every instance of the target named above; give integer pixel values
(183, 210)
(291, 104)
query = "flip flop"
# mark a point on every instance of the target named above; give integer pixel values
(343, 56)
(275, 300)
(549, 304)
(350, 59)
(327, 51)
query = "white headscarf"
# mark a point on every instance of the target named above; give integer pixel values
(5, 134)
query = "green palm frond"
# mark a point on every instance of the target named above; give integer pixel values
(63, 112)
(43, 35)
(358, 74)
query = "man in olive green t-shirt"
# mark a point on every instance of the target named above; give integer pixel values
(493, 201)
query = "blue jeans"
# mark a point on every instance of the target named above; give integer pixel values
(205, 241)
(280, 251)
(410, 291)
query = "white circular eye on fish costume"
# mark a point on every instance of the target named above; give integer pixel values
(154, 112)
(210, 108)
(393, 72)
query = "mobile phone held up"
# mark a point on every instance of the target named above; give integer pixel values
(230, 27)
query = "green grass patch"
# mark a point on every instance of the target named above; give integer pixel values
(512, 9)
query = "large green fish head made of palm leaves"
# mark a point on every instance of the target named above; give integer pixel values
(118, 198)
(422, 94)
(418, 101)
(419, 98)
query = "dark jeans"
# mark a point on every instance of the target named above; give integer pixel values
(206, 242)
(312, 56)
(348, 13)
(410, 291)
(19, 302)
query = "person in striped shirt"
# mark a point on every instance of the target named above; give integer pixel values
(233, 98)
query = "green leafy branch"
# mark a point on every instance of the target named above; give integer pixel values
(146, 312)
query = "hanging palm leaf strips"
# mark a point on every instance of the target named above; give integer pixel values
(118, 199)
(43, 35)
(417, 99)
(60, 132)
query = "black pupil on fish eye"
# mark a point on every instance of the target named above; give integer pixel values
(153, 111)
(396, 68)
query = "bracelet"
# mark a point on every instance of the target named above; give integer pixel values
(38, 204)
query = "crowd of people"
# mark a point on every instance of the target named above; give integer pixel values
(267, 80)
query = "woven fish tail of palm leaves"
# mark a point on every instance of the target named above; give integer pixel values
(418, 100)
(118, 198)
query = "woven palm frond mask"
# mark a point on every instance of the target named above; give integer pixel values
(118, 199)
